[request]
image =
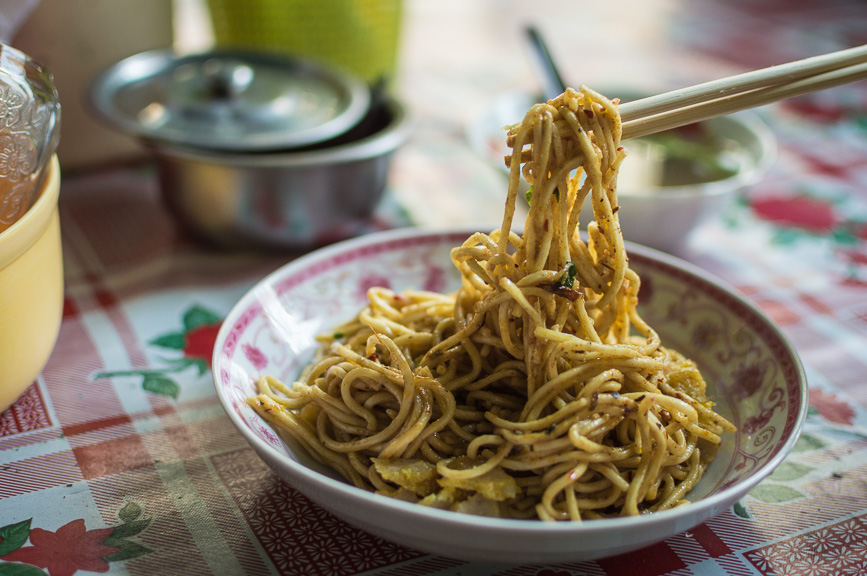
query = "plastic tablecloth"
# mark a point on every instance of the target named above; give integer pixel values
(119, 457)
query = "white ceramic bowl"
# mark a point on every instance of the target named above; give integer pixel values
(752, 372)
(659, 216)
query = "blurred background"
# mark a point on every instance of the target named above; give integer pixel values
(448, 61)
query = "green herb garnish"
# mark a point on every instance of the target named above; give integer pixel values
(568, 279)
(528, 195)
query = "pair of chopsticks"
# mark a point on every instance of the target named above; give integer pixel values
(727, 95)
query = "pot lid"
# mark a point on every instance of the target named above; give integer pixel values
(242, 102)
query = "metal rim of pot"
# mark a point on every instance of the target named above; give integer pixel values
(229, 101)
(380, 142)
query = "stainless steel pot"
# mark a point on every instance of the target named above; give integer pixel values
(255, 149)
(297, 199)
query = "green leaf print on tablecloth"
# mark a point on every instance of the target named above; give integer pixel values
(790, 471)
(775, 493)
(194, 341)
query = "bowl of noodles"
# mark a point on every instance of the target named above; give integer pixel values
(541, 394)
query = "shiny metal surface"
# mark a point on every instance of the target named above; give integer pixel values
(294, 200)
(229, 100)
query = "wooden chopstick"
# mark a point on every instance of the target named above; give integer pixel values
(743, 82)
(720, 97)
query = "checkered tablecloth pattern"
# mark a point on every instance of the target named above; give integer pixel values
(120, 459)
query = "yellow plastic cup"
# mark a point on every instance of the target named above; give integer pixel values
(31, 290)
(360, 36)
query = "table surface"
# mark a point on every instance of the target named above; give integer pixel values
(119, 457)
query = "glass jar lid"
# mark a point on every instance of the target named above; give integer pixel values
(29, 131)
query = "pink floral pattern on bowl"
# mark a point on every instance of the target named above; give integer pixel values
(753, 373)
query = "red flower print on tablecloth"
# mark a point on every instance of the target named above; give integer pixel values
(199, 342)
(805, 216)
(855, 257)
(810, 214)
(816, 108)
(72, 547)
(66, 551)
(195, 343)
(831, 408)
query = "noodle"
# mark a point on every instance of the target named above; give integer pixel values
(536, 390)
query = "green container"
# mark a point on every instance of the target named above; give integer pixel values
(357, 35)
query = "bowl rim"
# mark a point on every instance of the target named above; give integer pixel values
(25, 231)
(707, 505)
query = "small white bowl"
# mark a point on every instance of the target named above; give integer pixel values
(752, 372)
(657, 215)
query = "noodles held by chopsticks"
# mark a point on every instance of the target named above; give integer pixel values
(534, 391)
